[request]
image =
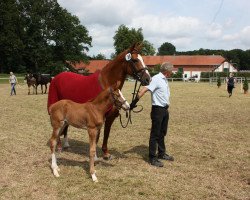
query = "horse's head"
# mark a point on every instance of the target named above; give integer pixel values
(137, 67)
(118, 98)
(28, 76)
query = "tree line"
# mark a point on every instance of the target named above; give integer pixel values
(41, 36)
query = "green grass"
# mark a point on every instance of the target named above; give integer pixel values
(208, 136)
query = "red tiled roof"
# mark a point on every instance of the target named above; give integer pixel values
(196, 60)
(184, 60)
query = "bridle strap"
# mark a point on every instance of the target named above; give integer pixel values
(128, 113)
(118, 104)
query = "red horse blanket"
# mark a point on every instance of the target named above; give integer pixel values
(76, 87)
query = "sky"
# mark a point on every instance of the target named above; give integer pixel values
(187, 24)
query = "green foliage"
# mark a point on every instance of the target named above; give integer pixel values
(166, 49)
(148, 49)
(99, 57)
(125, 37)
(245, 85)
(37, 34)
(218, 81)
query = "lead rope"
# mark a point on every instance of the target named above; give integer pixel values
(128, 113)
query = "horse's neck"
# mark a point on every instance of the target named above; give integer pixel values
(102, 102)
(114, 71)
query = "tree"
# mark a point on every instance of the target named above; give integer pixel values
(11, 45)
(166, 49)
(40, 36)
(125, 37)
(99, 57)
(148, 49)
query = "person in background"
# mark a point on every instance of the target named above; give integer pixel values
(13, 81)
(230, 84)
(160, 94)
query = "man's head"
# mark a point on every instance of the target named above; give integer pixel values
(166, 69)
(11, 73)
(231, 75)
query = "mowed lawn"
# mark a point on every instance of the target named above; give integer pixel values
(209, 136)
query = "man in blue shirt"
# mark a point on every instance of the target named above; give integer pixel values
(160, 94)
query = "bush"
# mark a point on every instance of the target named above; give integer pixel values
(245, 85)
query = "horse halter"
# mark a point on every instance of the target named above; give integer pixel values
(115, 98)
(137, 74)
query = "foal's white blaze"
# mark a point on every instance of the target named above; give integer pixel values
(143, 64)
(125, 105)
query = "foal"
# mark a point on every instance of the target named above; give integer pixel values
(89, 115)
(31, 81)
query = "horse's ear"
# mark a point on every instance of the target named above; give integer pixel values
(137, 46)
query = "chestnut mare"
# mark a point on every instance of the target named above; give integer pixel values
(89, 115)
(69, 86)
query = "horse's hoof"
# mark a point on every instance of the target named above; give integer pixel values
(94, 178)
(107, 157)
(55, 172)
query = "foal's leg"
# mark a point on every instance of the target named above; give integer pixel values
(28, 89)
(92, 151)
(53, 142)
(97, 139)
(65, 133)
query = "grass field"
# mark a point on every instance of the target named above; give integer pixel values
(209, 136)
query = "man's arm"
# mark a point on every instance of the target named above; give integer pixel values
(140, 94)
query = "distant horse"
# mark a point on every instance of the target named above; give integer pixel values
(31, 81)
(42, 79)
(89, 115)
(78, 88)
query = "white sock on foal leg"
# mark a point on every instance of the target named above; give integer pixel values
(54, 166)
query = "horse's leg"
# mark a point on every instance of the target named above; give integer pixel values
(92, 151)
(42, 88)
(45, 88)
(53, 142)
(108, 123)
(36, 88)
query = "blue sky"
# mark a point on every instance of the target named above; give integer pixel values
(187, 24)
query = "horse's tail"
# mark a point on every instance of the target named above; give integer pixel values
(52, 95)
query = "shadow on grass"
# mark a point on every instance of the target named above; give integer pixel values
(141, 150)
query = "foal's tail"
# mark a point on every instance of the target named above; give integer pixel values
(52, 95)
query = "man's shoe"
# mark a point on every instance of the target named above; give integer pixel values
(156, 162)
(166, 157)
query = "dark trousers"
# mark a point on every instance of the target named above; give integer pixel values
(159, 117)
(230, 89)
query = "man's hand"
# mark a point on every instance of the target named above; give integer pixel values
(134, 102)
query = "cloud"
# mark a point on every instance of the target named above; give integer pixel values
(186, 25)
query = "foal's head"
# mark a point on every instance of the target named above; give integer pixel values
(137, 69)
(118, 98)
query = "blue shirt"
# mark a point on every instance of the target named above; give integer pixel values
(159, 89)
